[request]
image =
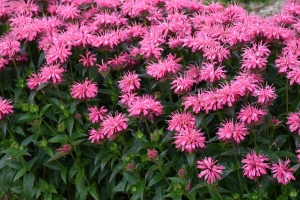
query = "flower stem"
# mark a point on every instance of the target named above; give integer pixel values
(237, 164)
(214, 186)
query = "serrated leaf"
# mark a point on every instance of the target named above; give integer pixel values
(19, 174)
(284, 154)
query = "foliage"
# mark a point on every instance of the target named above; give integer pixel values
(159, 99)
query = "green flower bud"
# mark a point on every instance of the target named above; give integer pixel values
(25, 107)
(43, 143)
(293, 193)
(140, 135)
(61, 127)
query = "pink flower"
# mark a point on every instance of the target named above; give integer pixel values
(209, 170)
(152, 154)
(265, 96)
(216, 52)
(66, 149)
(294, 75)
(85, 90)
(298, 154)
(52, 74)
(34, 81)
(181, 121)
(112, 126)
(282, 172)
(194, 101)
(96, 135)
(255, 57)
(293, 120)
(252, 115)
(145, 107)
(228, 95)
(164, 67)
(129, 82)
(212, 73)
(96, 115)
(232, 131)
(255, 165)
(182, 84)
(128, 98)
(5, 108)
(189, 140)
(88, 60)
(9, 46)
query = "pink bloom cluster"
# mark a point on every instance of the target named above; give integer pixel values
(209, 170)
(256, 165)
(5, 108)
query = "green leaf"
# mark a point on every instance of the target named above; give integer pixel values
(79, 181)
(92, 189)
(28, 117)
(27, 141)
(3, 127)
(282, 197)
(116, 170)
(28, 181)
(155, 178)
(198, 186)
(63, 174)
(41, 59)
(19, 174)
(191, 159)
(121, 186)
(70, 124)
(132, 180)
(59, 139)
(284, 154)
(44, 109)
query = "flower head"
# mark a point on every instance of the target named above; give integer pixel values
(152, 154)
(34, 81)
(88, 60)
(66, 149)
(5, 108)
(52, 73)
(255, 165)
(293, 120)
(189, 140)
(96, 135)
(85, 90)
(145, 107)
(181, 121)
(282, 172)
(252, 115)
(96, 115)
(209, 170)
(232, 131)
(265, 96)
(130, 82)
(114, 125)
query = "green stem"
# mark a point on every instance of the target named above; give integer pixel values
(238, 165)
(72, 73)
(214, 186)
(16, 68)
(49, 127)
(147, 127)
